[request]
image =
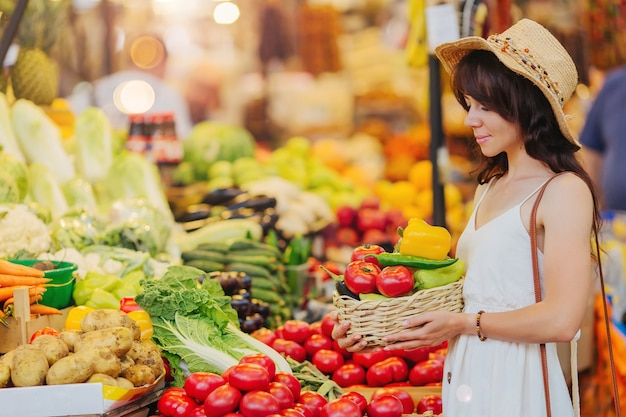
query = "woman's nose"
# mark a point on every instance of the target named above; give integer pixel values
(471, 121)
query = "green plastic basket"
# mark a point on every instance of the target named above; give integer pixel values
(59, 290)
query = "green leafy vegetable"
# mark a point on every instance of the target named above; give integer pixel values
(94, 144)
(14, 173)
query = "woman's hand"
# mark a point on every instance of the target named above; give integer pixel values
(426, 329)
(351, 343)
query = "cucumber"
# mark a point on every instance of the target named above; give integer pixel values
(269, 263)
(221, 231)
(205, 265)
(221, 247)
(270, 297)
(253, 270)
(202, 254)
(264, 284)
(245, 244)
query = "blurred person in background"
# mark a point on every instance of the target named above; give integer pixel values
(138, 88)
(604, 140)
(202, 91)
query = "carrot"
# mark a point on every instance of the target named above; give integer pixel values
(43, 309)
(7, 292)
(10, 268)
(32, 299)
(15, 280)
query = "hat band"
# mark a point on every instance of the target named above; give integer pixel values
(524, 57)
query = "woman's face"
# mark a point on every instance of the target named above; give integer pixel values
(493, 133)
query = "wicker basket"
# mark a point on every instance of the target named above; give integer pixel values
(374, 319)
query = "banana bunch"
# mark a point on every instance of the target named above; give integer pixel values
(262, 262)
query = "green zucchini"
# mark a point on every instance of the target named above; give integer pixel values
(202, 254)
(205, 265)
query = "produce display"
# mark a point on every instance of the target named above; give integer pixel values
(107, 347)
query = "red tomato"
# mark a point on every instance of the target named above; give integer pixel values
(341, 407)
(328, 324)
(264, 335)
(360, 277)
(301, 408)
(316, 327)
(249, 377)
(349, 374)
(175, 403)
(223, 400)
(346, 216)
(296, 330)
(370, 218)
(347, 236)
(263, 360)
(408, 405)
(367, 359)
(290, 382)
(316, 342)
(197, 412)
(232, 415)
(327, 360)
(198, 385)
(282, 393)
(425, 372)
(360, 253)
(390, 370)
(46, 330)
(292, 412)
(395, 281)
(438, 354)
(313, 401)
(358, 398)
(430, 403)
(290, 348)
(413, 355)
(258, 404)
(344, 352)
(385, 406)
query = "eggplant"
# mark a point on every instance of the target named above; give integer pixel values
(343, 289)
(222, 196)
(256, 203)
(194, 212)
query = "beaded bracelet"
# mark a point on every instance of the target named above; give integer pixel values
(478, 332)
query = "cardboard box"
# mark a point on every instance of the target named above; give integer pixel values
(83, 400)
(13, 336)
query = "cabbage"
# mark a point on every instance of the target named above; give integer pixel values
(9, 192)
(45, 190)
(94, 144)
(79, 193)
(135, 224)
(211, 141)
(8, 141)
(132, 176)
(77, 229)
(40, 139)
(11, 167)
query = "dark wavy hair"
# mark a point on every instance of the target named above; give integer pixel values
(483, 77)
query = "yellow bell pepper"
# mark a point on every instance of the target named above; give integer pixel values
(422, 239)
(74, 317)
(142, 318)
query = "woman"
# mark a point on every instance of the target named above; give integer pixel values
(513, 86)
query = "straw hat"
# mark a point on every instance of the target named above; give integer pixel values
(530, 50)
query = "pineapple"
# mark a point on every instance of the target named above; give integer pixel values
(34, 75)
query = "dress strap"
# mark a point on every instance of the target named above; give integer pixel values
(537, 189)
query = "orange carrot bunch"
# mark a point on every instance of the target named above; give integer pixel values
(14, 276)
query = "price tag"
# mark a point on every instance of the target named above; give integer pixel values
(442, 25)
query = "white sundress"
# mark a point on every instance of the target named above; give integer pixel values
(495, 378)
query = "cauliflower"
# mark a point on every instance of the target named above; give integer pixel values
(22, 232)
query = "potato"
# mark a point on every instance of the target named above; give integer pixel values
(146, 352)
(124, 383)
(104, 379)
(104, 361)
(52, 346)
(5, 375)
(7, 357)
(72, 369)
(70, 337)
(118, 339)
(126, 362)
(106, 318)
(29, 366)
(139, 375)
